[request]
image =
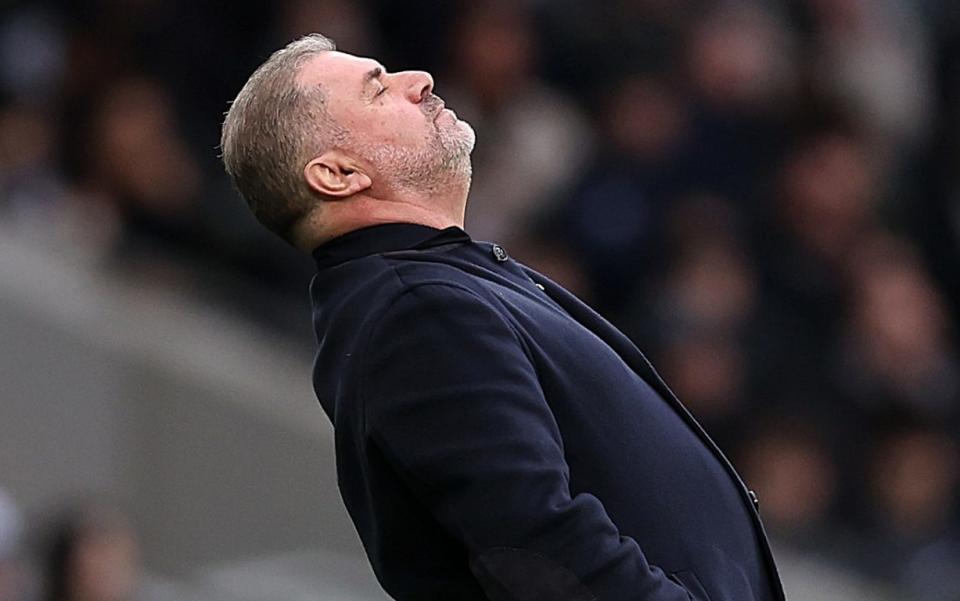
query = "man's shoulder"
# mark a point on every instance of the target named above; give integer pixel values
(381, 300)
(371, 285)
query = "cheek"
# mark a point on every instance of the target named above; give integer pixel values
(403, 126)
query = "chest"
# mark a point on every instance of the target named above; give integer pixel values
(600, 400)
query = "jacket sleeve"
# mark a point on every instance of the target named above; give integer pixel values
(452, 400)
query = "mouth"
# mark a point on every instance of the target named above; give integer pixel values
(433, 106)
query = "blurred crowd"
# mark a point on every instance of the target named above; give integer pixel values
(87, 552)
(764, 195)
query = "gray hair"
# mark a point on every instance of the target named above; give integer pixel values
(274, 126)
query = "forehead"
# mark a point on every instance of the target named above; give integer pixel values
(335, 70)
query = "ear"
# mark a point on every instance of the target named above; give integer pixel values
(336, 175)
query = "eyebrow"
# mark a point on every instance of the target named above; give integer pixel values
(372, 74)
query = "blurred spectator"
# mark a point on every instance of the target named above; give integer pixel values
(92, 555)
(740, 56)
(348, 23)
(31, 187)
(703, 311)
(829, 186)
(788, 463)
(32, 54)
(588, 45)
(710, 372)
(12, 576)
(710, 283)
(897, 354)
(140, 166)
(873, 54)
(827, 190)
(914, 474)
(913, 538)
(611, 217)
(174, 229)
(36, 195)
(740, 69)
(532, 140)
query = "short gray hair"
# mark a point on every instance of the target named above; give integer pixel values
(274, 126)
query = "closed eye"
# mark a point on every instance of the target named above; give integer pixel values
(382, 90)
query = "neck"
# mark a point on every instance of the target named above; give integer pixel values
(440, 207)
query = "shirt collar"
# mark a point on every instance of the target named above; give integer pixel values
(383, 238)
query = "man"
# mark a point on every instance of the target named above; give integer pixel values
(495, 438)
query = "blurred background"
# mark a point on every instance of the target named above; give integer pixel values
(764, 195)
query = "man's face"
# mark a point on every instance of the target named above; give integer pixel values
(394, 122)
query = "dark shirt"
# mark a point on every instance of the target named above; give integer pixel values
(497, 439)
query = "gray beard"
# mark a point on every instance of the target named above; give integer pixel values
(443, 164)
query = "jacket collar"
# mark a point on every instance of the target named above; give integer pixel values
(384, 238)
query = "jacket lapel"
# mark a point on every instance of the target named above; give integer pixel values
(627, 351)
(606, 331)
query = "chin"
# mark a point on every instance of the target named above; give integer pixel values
(468, 135)
(458, 137)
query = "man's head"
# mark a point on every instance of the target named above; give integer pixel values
(317, 134)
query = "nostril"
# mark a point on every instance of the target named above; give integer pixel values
(419, 86)
(427, 86)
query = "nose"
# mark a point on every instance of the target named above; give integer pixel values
(419, 85)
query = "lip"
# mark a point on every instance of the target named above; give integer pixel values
(440, 109)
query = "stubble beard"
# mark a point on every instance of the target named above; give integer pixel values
(443, 163)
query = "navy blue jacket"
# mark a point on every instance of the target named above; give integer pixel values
(497, 439)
